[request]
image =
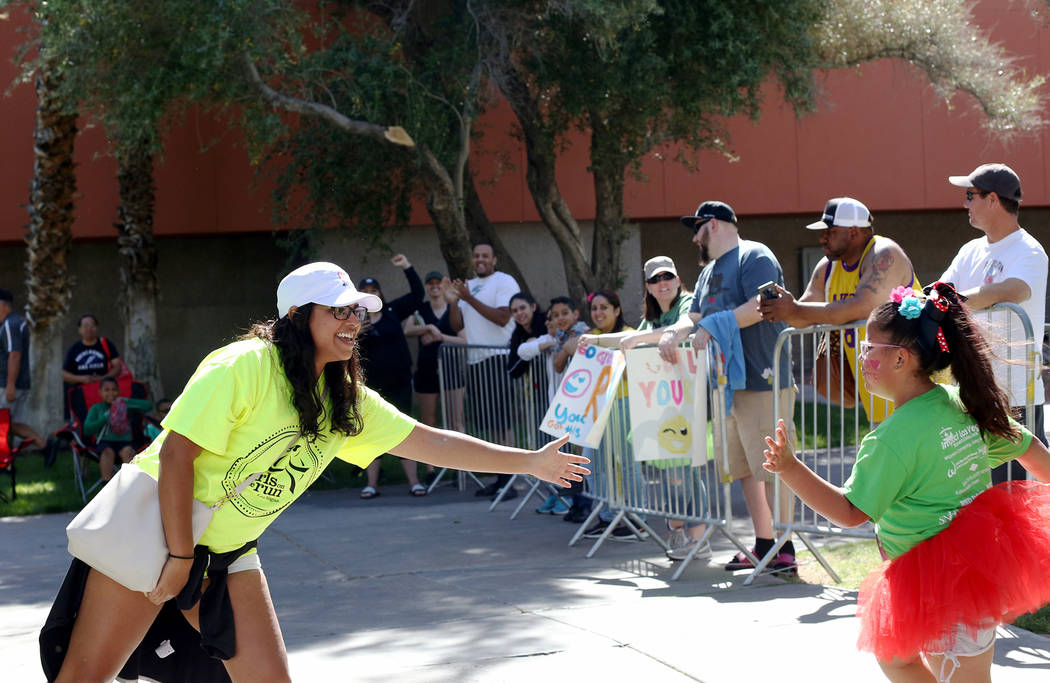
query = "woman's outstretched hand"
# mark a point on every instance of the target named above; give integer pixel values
(779, 456)
(559, 468)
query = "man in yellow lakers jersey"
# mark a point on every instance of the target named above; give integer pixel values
(857, 273)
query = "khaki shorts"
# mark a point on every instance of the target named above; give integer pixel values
(747, 426)
(18, 407)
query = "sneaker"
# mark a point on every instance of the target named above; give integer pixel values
(548, 505)
(622, 532)
(784, 566)
(685, 548)
(577, 515)
(511, 493)
(596, 530)
(560, 508)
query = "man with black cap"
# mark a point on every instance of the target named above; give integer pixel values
(724, 307)
(857, 273)
(1006, 264)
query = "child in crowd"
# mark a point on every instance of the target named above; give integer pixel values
(963, 555)
(563, 327)
(160, 411)
(110, 423)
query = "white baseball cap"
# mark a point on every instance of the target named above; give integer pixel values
(844, 212)
(321, 283)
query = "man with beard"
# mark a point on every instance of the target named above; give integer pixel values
(724, 308)
(857, 273)
(482, 309)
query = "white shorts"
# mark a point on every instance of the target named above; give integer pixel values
(967, 643)
(245, 562)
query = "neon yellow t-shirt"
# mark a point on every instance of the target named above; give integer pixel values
(238, 408)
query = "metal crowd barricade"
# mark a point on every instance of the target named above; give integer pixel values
(478, 397)
(635, 490)
(818, 420)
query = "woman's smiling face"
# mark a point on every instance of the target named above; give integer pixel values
(603, 313)
(334, 340)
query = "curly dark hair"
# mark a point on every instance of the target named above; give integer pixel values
(969, 355)
(295, 346)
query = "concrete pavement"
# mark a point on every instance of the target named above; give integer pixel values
(438, 589)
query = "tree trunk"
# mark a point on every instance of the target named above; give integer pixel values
(49, 240)
(542, 155)
(482, 230)
(610, 224)
(138, 264)
(446, 211)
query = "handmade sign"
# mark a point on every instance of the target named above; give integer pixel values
(581, 406)
(668, 405)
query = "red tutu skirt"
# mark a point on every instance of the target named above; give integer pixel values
(991, 564)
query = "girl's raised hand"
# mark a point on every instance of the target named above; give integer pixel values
(779, 455)
(559, 468)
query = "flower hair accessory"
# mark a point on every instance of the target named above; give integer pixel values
(900, 293)
(910, 307)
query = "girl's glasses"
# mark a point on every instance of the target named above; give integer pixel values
(867, 346)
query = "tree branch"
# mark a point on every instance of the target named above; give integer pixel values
(395, 135)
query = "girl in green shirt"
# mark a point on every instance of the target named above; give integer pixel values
(963, 555)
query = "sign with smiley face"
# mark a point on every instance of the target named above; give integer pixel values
(581, 406)
(668, 404)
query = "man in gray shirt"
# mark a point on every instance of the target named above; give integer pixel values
(14, 369)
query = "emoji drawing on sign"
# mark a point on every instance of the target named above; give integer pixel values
(576, 383)
(674, 436)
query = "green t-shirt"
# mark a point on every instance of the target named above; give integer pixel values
(921, 465)
(97, 421)
(676, 312)
(237, 407)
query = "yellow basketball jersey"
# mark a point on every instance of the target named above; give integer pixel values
(840, 282)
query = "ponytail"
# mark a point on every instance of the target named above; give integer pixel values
(941, 333)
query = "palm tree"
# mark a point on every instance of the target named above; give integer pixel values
(49, 240)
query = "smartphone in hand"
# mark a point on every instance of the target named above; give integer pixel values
(768, 291)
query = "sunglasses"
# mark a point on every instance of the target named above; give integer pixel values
(970, 194)
(661, 277)
(344, 312)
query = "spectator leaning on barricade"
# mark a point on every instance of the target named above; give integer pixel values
(483, 311)
(431, 325)
(387, 362)
(1006, 264)
(857, 273)
(607, 316)
(724, 307)
(666, 303)
(89, 360)
(14, 369)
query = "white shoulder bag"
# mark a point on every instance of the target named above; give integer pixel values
(120, 532)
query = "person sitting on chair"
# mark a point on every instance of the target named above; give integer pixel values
(110, 423)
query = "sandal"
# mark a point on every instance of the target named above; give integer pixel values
(739, 561)
(369, 492)
(418, 490)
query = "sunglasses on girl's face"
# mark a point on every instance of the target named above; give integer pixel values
(344, 312)
(660, 277)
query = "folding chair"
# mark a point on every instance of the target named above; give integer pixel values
(7, 456)
(85, 451)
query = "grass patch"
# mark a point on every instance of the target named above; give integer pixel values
(41, 489)
(852, 560)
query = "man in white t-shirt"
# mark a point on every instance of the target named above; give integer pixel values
(1005, 265)
(483, 310)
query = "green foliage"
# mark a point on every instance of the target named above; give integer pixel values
(134, 63)
(672, 73)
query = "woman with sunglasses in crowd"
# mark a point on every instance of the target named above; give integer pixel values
(964, 556)
(283, 402)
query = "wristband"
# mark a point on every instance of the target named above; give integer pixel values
(181, 557)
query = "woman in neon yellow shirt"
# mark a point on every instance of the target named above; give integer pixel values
(283, 402)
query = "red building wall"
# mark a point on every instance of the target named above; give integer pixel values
(879, 134)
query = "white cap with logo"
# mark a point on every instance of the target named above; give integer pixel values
(321, 283)
(843, 212)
